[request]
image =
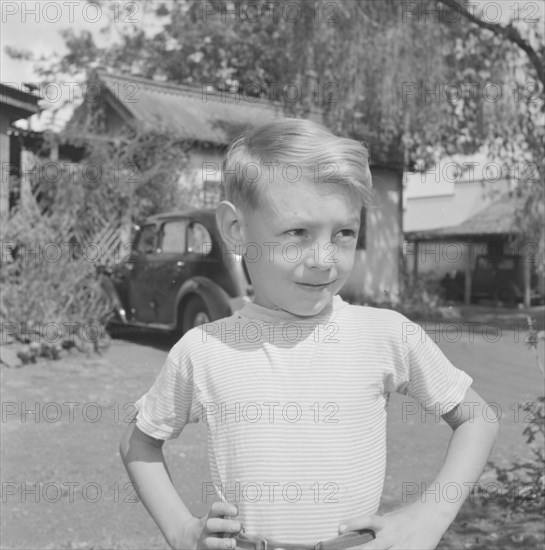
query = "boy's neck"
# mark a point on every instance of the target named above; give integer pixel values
(283, 314)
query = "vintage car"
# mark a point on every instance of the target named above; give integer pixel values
(178, 274)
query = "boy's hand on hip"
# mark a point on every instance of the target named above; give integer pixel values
(212, 531)
(410, 528)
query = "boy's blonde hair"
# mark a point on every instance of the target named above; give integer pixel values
(294, 148)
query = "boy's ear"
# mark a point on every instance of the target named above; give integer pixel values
(229, 220)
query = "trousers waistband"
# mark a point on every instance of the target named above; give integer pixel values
(341, 542)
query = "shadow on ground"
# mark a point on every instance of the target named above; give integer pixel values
(144, 337)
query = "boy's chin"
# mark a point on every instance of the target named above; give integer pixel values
(309, 309)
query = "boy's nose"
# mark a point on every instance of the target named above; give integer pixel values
(321, 255)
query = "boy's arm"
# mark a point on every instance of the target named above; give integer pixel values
(422, 524)
(143, 458)
(474, 433)
(144, 461)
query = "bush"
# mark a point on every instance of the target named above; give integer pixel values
(50, 295)
(524, 481)
(422, 298)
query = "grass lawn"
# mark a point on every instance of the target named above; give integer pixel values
(63, 484)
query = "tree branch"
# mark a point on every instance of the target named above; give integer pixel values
(509, 32)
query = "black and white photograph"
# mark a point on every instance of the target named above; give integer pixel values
(272, 274)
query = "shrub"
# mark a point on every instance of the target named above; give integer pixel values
(524, 481)
(51, 295)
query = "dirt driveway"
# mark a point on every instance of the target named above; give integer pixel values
(63, 484)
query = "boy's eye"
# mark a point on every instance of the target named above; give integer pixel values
(295, 232)
(348, 233)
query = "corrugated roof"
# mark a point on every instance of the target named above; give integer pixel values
(191, 112)
(499, 218)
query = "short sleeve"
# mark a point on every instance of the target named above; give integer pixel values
(425, 373)
(169, 404)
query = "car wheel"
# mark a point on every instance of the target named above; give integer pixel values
(194, 313)
(506, 295)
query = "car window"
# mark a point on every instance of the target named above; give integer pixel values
(146, 242)
(173, 237)
(199, 239)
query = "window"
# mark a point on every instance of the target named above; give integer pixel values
(173, 237)
(362, 234)
(146, 242)
(199, 239)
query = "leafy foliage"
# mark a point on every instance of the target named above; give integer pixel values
(48, 290)
(414, 85)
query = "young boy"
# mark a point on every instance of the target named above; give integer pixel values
(294, 386)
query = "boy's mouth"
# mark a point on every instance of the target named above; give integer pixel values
(316, 286)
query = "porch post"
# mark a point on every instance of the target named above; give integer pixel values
(526, 280)
(415, 262)
(467, 279)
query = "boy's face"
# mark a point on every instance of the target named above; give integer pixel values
(300, 246)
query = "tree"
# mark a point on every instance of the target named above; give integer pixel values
(415, 87)
(516, 126)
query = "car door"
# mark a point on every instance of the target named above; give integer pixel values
(140, 280)
(173, 272)
(185, 247)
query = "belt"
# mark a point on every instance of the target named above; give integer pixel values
(342, 542)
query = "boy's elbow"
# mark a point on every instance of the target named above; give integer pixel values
(135, 444)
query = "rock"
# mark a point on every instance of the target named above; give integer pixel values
(28, 354)
(82, 344)
(35, 348)
(10, 358)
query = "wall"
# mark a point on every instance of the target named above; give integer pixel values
(375, 277)
(4, 162)
(449, 207)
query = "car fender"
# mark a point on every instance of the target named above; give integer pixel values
(111, 292)
(216, 299)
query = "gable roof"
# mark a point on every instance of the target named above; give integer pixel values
(194, 113)
(497, 219)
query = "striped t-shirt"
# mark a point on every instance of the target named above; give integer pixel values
(296, 409)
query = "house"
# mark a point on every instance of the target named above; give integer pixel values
(450, 222)
(208, 119)
(15, 105)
